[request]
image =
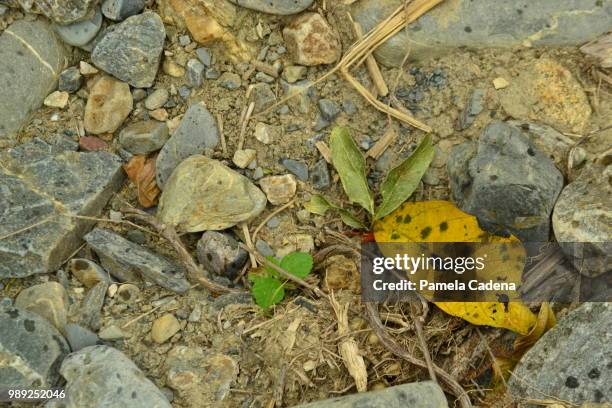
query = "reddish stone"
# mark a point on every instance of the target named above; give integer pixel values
(92, 144)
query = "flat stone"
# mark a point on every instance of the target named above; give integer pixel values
(583, 213)
(109, 104)
(219, 253)
(164, 328)
(101, 376)
(195, 73)
(31, 58)
(81, 32)
(319, 175)
(506, 182)
(48, 300)
(57, 99)
(87, 272)
(92, 144)
(200, 378)
(311, 40)
(144, 137)
(157, 99)
(198, 131)
(90, 312)
(112, 333)
(119, 10)
(297, 168)
(131, 262)
(425, 394)
(70, 80)
(131, 50)
(279, 7)
(79, 337)
(485, 24)
(571, 361)
(32, 350)
(35, 176)
(204, 194)
(473, 108)
(60, 11)
(279, 189)
(204, 56)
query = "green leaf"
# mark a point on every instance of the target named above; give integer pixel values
(351, 166)
(319, 205)
(401, 182)
(267, 291)
(271, 272)
(297, 263)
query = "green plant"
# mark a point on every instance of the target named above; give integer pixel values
(268, 285)
(350, 164)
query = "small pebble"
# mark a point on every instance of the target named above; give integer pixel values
(164, 328)
(204, 56)
(242, 158)
(298, 168)
(87, 69)
(279, 189)
(320, 175)
(70, 80)
(57, 99)
(230, 80)
(112, 332)
(273, 222)
(79, 337)
(349, 107)
(329, 109)
(195, 71)
(136, 236)
(212, 73)
(184, 40)
(264, 248)
(500, 83)
(157, 99)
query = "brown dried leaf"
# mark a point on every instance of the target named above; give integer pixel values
(141, 171)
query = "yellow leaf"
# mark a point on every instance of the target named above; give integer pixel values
(415, 223)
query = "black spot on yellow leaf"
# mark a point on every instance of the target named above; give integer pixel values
(425, 232)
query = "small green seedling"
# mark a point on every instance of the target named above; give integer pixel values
(350, 164)
(269, 286)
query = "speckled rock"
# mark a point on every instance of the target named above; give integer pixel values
(198, 131)
(30, 54)
(204, 194)
(144, 137)
(571, 361)
(60, 11)
(414, 395)
(38, 175)
(48, 300)
(90, 309)
(130, 262)
(82, 32)
(70, 80)
(220, 254)
(101, 376)
(131, 50)
(279, 7)
(32, 350)
(583, 213)
(109, 104)
(486, 24)
(506, 182)
(279, 189)
(311, 40)
(200, 378)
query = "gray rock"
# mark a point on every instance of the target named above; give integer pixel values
(279, 7)
(118, 10)
(90, 312)
(144, 137)
(230, 80)
(204, 194)
(60, 11)
(550, 141)
(79, 337)
(220, 253)
(264, 248)
(263, 77)
(194, 72)
(506, 182)
(82, 32)
(349, 107)
(273, 222)
(131, 50)
(320, 123)
(198, 131)
(212, 73)
(485, 24)
(130, 262)
(263, 96)
(320, 175)
(298, 168)
(184, 40)
(329, 109)
(31, 58)
(301, 92)
(136, 236)
(48, 300)
(571, 361)
(473, 108)
(583, 214)
(36, 179)
(31, 348)
(204, 56)
(70, 80)
(157, 99)
(101, 376)
(425, 394)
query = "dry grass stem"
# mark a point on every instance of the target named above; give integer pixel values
(387, 140)
(324, 150)
(371, 63)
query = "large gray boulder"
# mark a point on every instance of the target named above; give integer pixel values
(425, 394)
(31, 59)
(43, 189)
(31, 349)
(572, 361)
(486, 24)
(104, 377)
(506, 182)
